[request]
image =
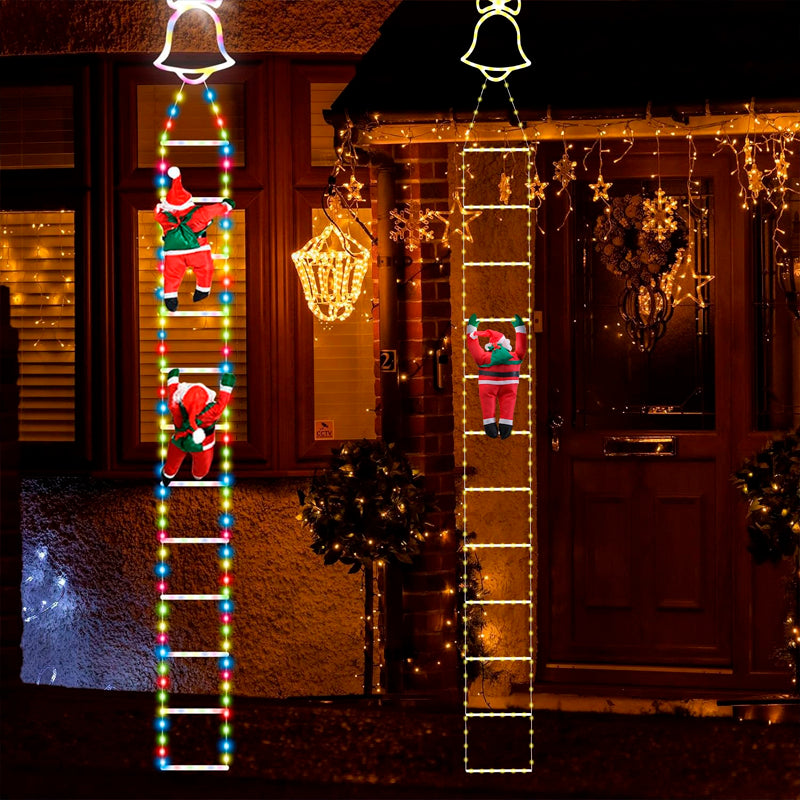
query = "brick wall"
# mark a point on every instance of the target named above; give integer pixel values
(429, 589)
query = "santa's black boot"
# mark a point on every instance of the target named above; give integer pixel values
(198, 295)
(165, 481)
(171, 303)
(490, 429)
(505, 430)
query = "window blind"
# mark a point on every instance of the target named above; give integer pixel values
(191, 341)
(323, 153)
(36, 127)
(37, 263)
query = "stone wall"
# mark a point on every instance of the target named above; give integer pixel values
(89, 546)
(138, 26)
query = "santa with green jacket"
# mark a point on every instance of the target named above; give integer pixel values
(498, 373)
(195, 410)
(186, 246)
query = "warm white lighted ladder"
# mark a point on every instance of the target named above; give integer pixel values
(521, 492)
(221, 313)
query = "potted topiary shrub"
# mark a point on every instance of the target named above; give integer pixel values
(367, 508)
(770, 481)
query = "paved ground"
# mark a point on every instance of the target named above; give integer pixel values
(61, 743)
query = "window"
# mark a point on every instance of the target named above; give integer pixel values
(37, 263)
(323, 153)
(36, 127)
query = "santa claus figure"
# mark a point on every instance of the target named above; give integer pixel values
(185, 243)
(195, 411)
(498, 374)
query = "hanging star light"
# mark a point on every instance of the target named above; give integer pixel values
(505, 187)
(466, 218)
(536, 189)
(565, 171)
(659, 215)
(354, 187)
(331, 268)
(674, 283)
(755, 181)
(194, 74)
(445, 218)
(600, 189)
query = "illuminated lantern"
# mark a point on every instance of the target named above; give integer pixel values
(194, 74)
(499, 42)
(331, 268)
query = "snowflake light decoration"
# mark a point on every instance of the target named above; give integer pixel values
(600, 189)
(411, 225)
(659, 215)
(565, 171)
(755, 181)
(505, 187)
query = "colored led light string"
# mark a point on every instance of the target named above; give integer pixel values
(530, 153)
(226, 520)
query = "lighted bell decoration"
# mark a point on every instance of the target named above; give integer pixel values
(646, 309)
(332, 267)
(789, 269)
(194, 74)
(496, 48)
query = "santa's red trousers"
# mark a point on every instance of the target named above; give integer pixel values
(492, 395)
(201, 462)
(176, 264)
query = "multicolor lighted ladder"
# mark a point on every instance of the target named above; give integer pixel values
(508, 215)
(222, 596)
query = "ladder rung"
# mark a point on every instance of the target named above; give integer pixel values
(208, 199)
(499, 714)
(195, 370)
(497, 264)
(198, 484)
(192, 596)
(219, 257)
(196, 314)
(503, 206)
(497, 602)
(194, 540)
(192, 710)
(483, 433)
(497, 149)
(194, 142)
(473, 546)
(196, 768)
(498, 771)
(499, 658)
(498, 489)
(198, 653)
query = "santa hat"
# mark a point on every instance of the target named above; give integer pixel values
(194, 397)
(177, 199)
(496, 340)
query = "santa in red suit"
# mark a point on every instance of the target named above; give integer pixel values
(185, 243)
(195, 410)
(498, 374)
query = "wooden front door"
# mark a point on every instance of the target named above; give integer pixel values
(642, 572)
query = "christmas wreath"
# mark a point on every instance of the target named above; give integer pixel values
(629, 251)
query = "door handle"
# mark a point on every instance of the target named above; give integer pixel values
(555, 424)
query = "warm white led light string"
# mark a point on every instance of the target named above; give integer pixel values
(222, 597)
(467, 490)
